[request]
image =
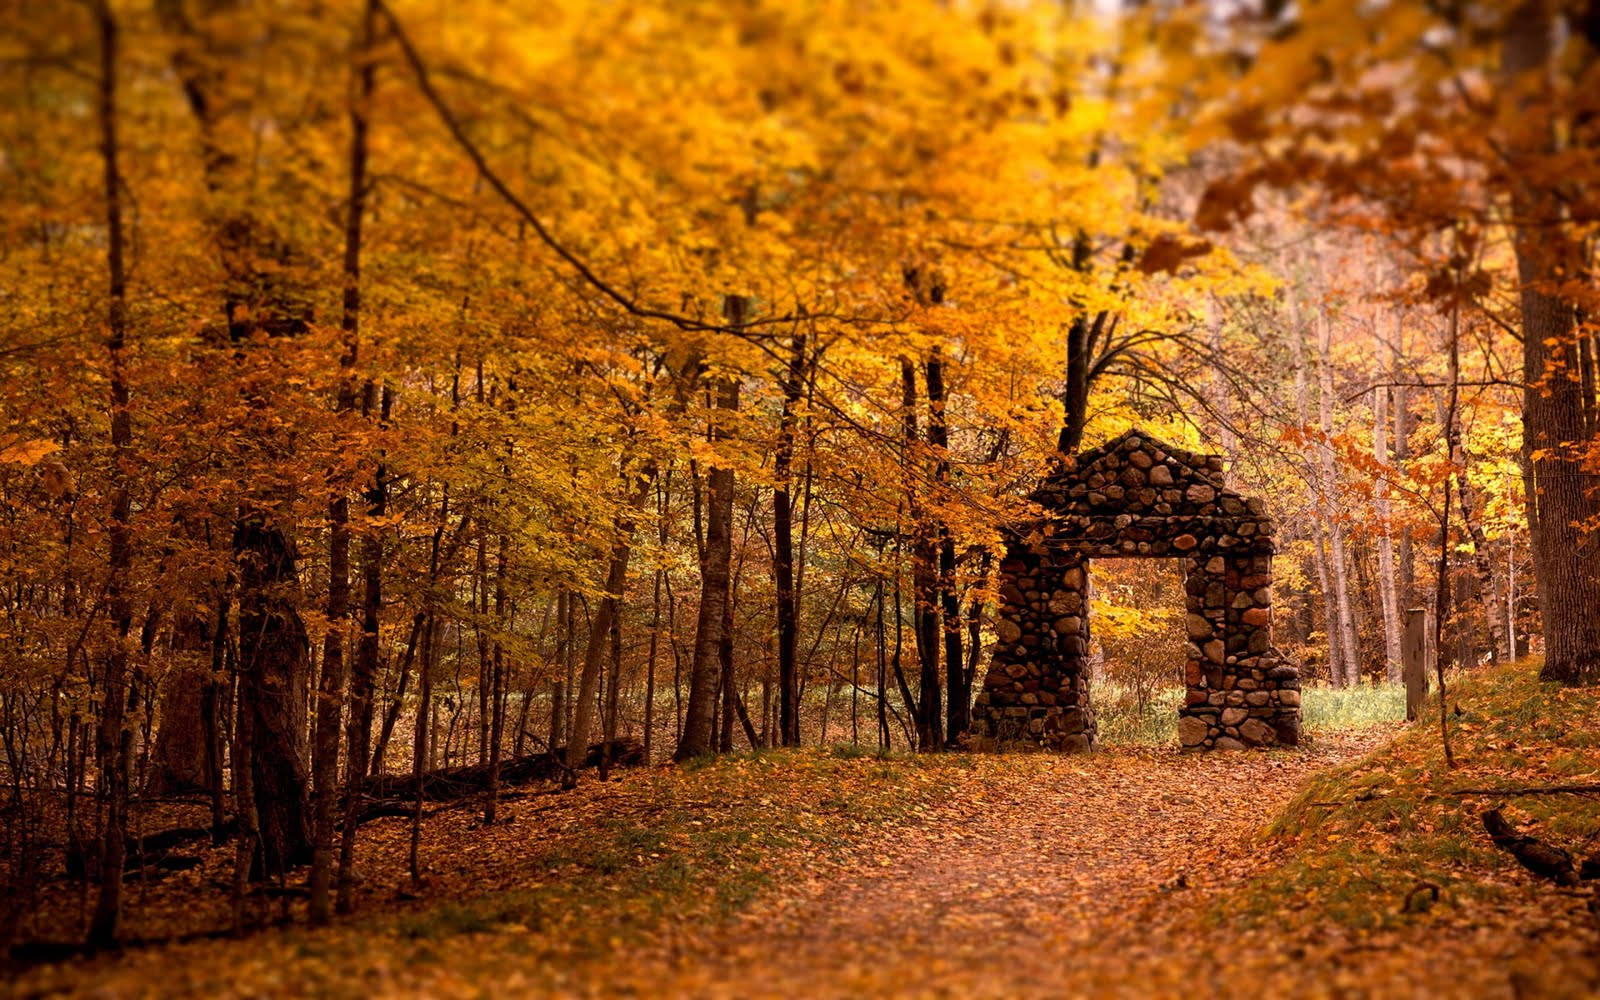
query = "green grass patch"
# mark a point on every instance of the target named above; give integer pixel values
(1328, 708)
(1122, 721)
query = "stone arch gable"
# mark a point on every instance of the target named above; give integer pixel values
(1136, 496)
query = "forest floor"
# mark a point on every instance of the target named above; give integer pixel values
(1128, 872)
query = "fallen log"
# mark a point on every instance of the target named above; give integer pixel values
(151, 850)
(448, 783)
(1545, 860)
(1583, 789)
(387, 795)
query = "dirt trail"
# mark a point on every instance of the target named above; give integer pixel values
(1016, 890)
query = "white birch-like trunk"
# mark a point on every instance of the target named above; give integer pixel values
(1319, 500)
(1339, 563)
(1387, 589)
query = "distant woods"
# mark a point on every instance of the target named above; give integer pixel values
(390, 408)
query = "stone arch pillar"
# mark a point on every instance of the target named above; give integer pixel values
(1037, 688)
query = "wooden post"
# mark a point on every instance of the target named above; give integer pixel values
(1414, 662)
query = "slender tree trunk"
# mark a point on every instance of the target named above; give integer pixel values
(497, 683)
(1482, 618)
(330, 702)
(1407, 569)
(113, 742)
(248, 844)
(419, 743)
(600, 629)
(1319, 551)
(883, 676)
(211, 697)
(358, 738)
(725, 663)
(1339, 567)
(655, 626)
(1387, 584)
(783, 548)
(1441, 593)
(924, 578)
(613, 684)
(558, 690)
(958, 699)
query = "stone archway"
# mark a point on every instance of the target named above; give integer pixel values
(1137, 497)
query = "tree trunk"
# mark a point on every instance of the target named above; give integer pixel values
(1319, 551)
(178, 759)
(725, 682)
(497, 682)
(783, 548)
(699, 724)
(1406, 595)
(358, 738)
(330, 701)
(273, 660)
(261, 295)
(958, 699)
(113, 743)
(420, 754)
(558, 690)
(1387, 584)
(1339, 561)
(1562, 511)
(600, 627)
(924, 579)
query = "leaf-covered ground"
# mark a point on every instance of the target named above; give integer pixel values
(1127, 872)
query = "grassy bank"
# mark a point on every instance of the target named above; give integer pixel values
(1372, 843)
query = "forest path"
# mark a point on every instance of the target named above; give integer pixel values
(1011, 888)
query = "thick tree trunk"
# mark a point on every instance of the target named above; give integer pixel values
(699, 724)
(1562, 507)
(178, 759)
(273, 661)
(261, 295)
